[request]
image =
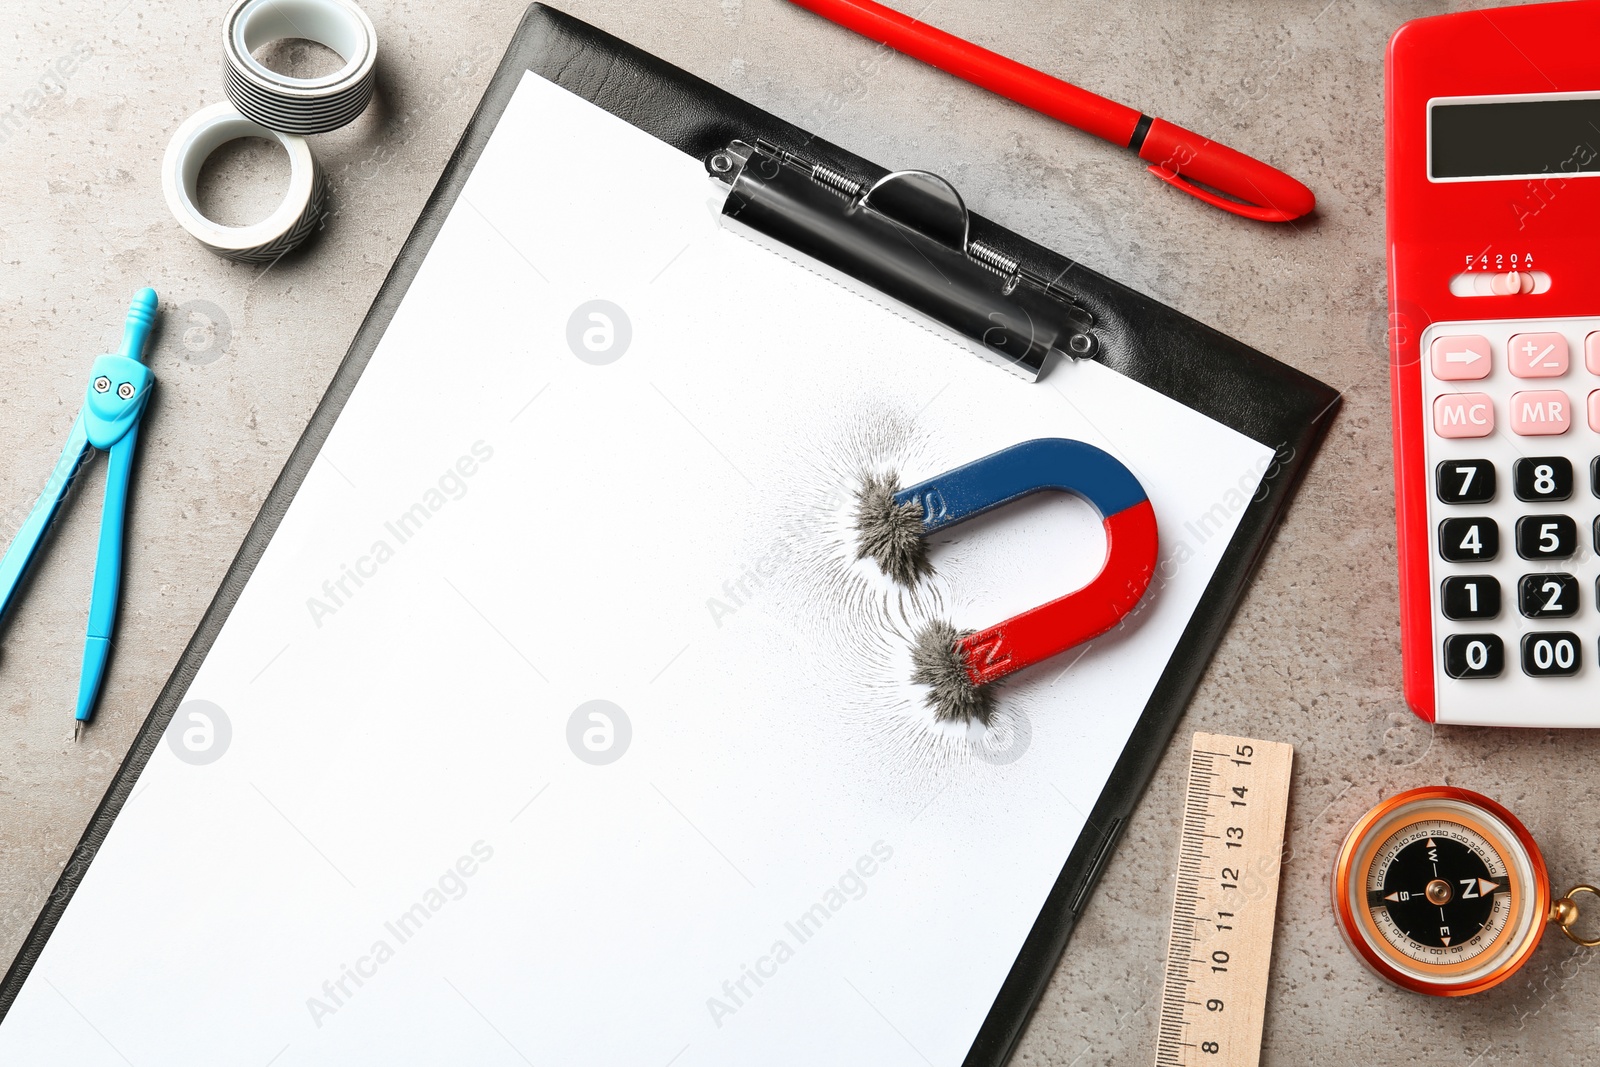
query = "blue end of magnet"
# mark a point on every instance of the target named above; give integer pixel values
(1048, 463)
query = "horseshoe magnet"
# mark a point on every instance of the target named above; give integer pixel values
(958, 666)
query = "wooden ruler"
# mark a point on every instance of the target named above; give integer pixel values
(1215, 995)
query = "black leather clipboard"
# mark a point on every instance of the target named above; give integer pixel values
(1138, 337)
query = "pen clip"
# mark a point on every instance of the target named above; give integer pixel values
(1221, 176)
(1236, 207)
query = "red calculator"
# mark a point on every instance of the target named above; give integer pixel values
(1493, 171)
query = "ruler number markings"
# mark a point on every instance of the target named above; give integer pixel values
(1218, 956)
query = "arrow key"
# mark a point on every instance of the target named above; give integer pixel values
(1463, 358)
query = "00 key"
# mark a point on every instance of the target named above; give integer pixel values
(1552, 654)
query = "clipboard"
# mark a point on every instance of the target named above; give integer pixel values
(1132, 335)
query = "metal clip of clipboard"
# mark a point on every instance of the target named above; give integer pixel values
(906, 236)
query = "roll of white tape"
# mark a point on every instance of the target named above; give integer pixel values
(202, 134)
(299, 105)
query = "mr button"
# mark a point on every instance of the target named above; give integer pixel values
(1540, 413)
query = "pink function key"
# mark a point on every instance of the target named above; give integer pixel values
(1594, 409)
(1591, 354)
(1540, 413)
(1464, 358)
(1537, 355)
(1463, 415)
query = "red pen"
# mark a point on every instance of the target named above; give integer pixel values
(1199, 166)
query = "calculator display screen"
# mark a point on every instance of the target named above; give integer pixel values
(1507, 138)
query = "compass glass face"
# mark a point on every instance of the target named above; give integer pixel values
(1439, 892)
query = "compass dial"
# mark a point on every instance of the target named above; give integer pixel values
(1441, 891)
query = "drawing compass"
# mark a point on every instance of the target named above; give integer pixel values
(114, 402)
(1442, 891)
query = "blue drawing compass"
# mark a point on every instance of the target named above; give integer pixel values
(119, 390)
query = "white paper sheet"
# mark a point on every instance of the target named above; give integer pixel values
(399, 858)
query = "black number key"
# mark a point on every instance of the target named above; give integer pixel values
(1546, 536)
(1544, 655)
(1543, 478)
(1548, 596)
(1469, 539)
(1474, 656)
(1470, 597)
(1465, 481)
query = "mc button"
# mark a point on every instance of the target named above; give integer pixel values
(1463, 415)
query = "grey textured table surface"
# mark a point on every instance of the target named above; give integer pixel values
(92, 90)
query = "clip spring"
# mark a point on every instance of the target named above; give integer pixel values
(994, 259)
(823, 174)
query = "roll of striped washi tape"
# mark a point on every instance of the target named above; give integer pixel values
(295, 218)
(299, 105)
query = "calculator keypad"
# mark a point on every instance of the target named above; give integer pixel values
(1512, 446)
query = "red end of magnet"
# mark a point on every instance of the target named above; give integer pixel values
(1132, 545)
